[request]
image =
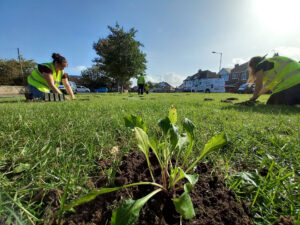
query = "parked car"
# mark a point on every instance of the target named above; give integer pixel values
(102, 90)
(246, 88)
(73, 86)
(83, 89)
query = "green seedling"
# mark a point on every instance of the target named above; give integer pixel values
(169, 147)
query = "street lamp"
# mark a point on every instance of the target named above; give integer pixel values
(220, 58)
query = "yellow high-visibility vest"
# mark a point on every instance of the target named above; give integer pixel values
(37, 80)
(285, 74)
(141, 80)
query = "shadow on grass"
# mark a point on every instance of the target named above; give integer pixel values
(265, 109)
(12, 101)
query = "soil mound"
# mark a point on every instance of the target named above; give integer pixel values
(214, 204)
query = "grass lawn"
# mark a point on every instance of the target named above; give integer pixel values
(45, 145)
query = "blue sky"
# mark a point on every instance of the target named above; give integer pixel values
(178, 35)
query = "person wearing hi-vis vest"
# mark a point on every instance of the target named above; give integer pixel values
(47, 77)
(141, 84)
(280, 75)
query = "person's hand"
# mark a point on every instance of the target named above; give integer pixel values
(67, 98)
(73, 98)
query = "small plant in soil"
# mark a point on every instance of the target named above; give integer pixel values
(173, 152)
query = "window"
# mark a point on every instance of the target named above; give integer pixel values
(244, 75)
(234, 76)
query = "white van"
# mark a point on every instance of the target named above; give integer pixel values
(210, 85)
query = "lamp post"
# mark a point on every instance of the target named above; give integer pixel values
(220, 58)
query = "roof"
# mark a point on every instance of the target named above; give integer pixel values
(165, 84)
(227, 69)
(202, 74)
(240, 68)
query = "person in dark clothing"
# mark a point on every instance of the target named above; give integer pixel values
(141, 84)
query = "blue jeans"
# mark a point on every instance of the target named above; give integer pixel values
(36, 93)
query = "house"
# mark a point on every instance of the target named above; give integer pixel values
(238, 76)
(190, 84)
(163, 87)
(225, 73)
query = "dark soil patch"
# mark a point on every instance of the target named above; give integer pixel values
(208, 99)
(214, 204)
(232, 99)
(226, 101)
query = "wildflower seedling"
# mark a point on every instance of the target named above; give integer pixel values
(173, 151)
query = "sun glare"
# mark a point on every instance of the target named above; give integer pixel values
(278, 15)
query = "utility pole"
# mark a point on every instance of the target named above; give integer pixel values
(220, 58)
(19, 57)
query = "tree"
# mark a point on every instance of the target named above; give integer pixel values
(11, 74)
(120, 56)
(94, 78)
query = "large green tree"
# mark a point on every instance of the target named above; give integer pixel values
(94, 78)
(11, 73)
(120, 56)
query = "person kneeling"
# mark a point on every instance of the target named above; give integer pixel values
(278, 75)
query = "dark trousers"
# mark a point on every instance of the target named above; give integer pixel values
(141, 89)
(290, 96)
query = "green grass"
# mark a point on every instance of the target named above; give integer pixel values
(44, 146)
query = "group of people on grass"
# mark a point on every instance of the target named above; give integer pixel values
(278, 74)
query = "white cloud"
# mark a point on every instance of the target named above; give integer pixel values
(171, 78)
(80, 68)
(238, 61)
(75, 70)
(291, 52)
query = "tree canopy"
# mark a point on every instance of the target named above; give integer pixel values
(11, 73)
(120, 56)
(94, 78)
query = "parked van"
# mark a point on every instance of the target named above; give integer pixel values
(210, 85)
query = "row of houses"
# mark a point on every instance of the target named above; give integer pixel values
(233, 78)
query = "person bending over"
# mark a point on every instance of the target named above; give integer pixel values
(48, 76)
(279, 75)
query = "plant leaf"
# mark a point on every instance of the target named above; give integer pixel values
(22, 167)
(192, 178)
(182, 140)
(189, 127)
(155, 148)
(93, 194)
(184, 204)
(213, 144)
(142, 140)
(128, 212)
(165, 125)
(175, 174)
(90, 196)
(174, 136)
(143, 144)
(173, 115)
(134, 121)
